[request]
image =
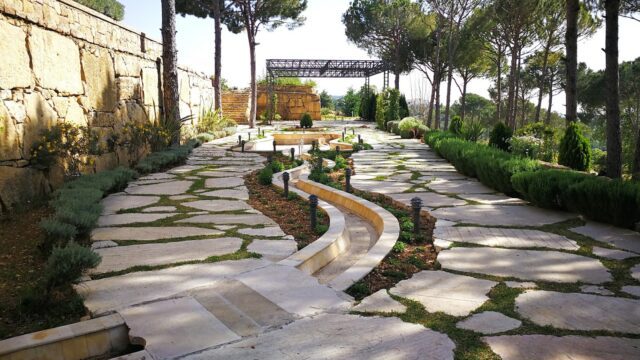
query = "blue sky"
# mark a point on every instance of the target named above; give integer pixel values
(321, 37)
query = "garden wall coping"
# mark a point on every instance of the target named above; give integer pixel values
(330, 245)
(86, 339)
(385, 224)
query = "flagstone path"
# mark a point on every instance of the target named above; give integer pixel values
(193, 269)
(554, 260)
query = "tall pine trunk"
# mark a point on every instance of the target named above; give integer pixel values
(614, 144)
(437, 105)
(515, 102)
(511, 96)
(499, 85)
(217, 72)
(449, 67)
(431, 101)
(463, 99)
(547, 120)
(571, 39)
(541, 84)
(170, 86)
(254, 86)
(636, 159)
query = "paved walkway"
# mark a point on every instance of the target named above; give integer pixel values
(180, 264)
(571, 277)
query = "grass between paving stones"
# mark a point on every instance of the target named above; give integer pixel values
(619, 269)
(292, 214)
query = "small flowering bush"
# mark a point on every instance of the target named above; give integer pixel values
(528, 146)
(67, 142)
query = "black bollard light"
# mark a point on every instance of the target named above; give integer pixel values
(416, 206)
(285, 179)
(343, 136)
(242, 144)
(353, 131)
(293, 153)
(359, 139)
(347, 178)
(274, 146)
(313, 145)
(249, 136)
(337, 150)
(239, 139)
(269, 158)
(313, 210)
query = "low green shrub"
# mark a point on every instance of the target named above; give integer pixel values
(399, 247)
(410, 128)
(575, 150)
(599, 160)
(265, 176)
(66, 264)
(601, 199)
(363, 146)
(57, 233)
(162, 159)
(276, 166)
(306, 121)
(456, 125)
(546, 188)
(491, 166)
(341, 163)
(500, 135)
(393, 127)
(598, 198)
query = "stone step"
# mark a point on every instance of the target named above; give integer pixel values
(361, 237)
(240, 308)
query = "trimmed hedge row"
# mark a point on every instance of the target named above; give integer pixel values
(615, 202)
(491, 166)
(601, 199)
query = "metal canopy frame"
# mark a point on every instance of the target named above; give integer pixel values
(306, 68)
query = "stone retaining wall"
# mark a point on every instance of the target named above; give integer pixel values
(293, 101)
(63, 62)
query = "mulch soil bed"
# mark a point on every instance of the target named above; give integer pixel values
(21, 266)
(291, 214)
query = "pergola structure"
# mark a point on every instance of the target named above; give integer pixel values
(305, 68)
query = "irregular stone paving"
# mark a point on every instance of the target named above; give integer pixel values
(199, 210)
(489, 322)
(335, 336)
(122, 257)
(621, 238)
(526, 264)
(548, 347)
(492, 221)
(580, 311)
(379, 301)
(502, 237)
(501, 215)
(452, 294)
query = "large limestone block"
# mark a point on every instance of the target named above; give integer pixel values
(75, 114)
(40, 116)
(56, 61)
(14, 63)
(99, 74)
(150, 83)
(126, 65)
(10, 136)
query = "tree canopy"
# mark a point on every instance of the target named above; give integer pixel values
(112, 8)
